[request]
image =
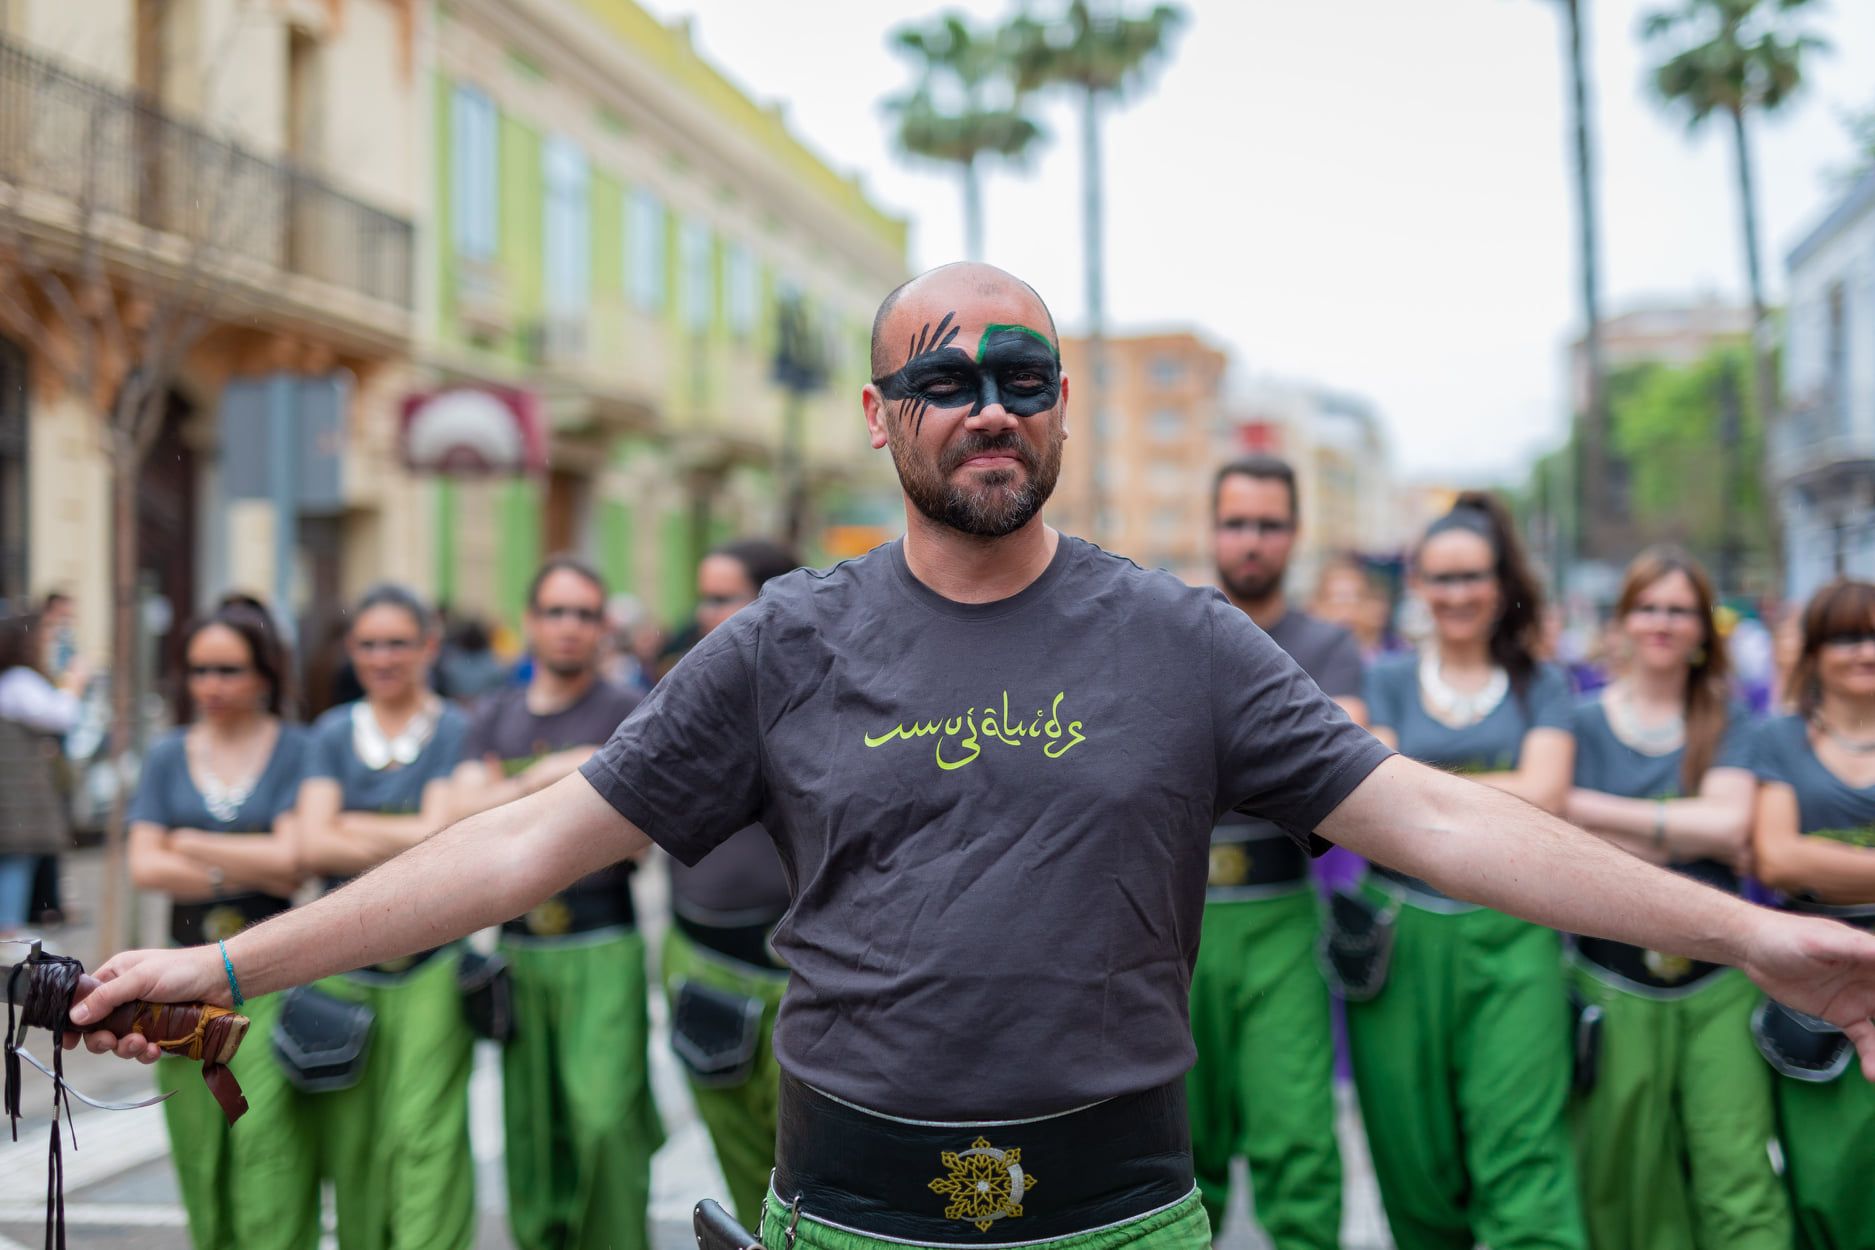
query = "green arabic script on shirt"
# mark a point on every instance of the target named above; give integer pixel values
(960, 737)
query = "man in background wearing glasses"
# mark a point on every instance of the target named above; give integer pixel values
(1264, 1083)
(581, 1123)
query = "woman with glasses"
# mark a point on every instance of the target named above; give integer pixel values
(212, 828)
(1459, 1042)
(1815, 841)
(1663, 770)
(717, 954)
(392, 1125)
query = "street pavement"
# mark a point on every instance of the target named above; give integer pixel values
(120, 1191)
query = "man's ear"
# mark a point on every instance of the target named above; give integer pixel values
(873, 404)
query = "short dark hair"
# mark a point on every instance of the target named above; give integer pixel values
(392, 595)
(1261, 468)
(19, 642)
(249, 619)
(882, 363)
(761, 558)
(563, 563)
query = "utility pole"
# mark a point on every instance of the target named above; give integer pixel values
(1730, 422)
(800, 370)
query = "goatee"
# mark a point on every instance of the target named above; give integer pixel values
(999, 501)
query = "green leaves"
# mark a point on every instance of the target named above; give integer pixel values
(1730, 56)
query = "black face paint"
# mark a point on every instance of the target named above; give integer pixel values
(1015, 366)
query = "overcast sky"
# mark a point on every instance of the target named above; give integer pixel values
(1372, 194)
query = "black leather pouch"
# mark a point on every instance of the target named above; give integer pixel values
(321, 1041)
(1357, 943)
(1800, 1046)
(716, 1033)
(487, 986)
(1585, 1021)
(716, 1229)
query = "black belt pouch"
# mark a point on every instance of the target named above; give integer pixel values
(716, 1229)
(716, 1033)
(1585, 1020)
(487, 986)
(1800, 1046)
(321, 1041)
(1357, 943)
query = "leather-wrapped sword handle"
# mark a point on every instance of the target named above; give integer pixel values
(199, 1031)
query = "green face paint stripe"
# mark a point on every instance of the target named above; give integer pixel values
(1037, 335)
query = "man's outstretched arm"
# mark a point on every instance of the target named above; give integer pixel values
(481, 871)
(1485, 846)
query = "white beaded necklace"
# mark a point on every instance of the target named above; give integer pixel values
(1452, 708)
(378, 751)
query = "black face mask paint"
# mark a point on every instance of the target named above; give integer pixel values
(1015, 367)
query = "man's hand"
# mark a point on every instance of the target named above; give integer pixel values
(193, 974)
(1822, 967)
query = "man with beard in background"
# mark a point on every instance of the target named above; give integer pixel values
(1264, 1083)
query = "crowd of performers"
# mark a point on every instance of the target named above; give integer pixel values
(1520, 1088)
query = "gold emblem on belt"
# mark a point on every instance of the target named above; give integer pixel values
(222, 923)
(985, 1184)
(1666, 967)
(1230, 864)
(551, 918)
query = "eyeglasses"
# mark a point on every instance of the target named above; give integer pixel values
(387, 646)
(1459, 579)
(723, 601)
(1673, 612)
(199, 671)
(567, 612)
(1262, 527)
(1848, 641)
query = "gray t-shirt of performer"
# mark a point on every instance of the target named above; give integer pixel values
(1493, 744)
(996, 816)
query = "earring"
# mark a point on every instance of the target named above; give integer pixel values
(1698, 657)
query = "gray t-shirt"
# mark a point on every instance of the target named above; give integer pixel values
(1606, 763)
(391, 791)
(1494, 744)
(1827, 806)
(1332, 658)
(167, 794)
(505, 729)
(995, 815)
(741, 882)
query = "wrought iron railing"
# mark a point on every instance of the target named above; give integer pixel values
(112, 161)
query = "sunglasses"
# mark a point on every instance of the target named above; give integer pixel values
(566, 612)
(1848, 641)
(1458, 580)
(199, 671)
(723, 601)
(1262, 527)
(388, 646)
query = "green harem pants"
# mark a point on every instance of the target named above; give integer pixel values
(1182, 1226)
(255, 1185)
(1462, 1063)
(1673, 1141)
(1264, 1084)
(396, 1145)
(576, 1093)
(1828, 1131)
(740, 1118)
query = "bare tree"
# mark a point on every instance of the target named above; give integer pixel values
(122, 231)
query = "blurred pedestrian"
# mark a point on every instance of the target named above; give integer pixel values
(69, 671)
(1815, 841)
(1460, 1043)
(35, 715)
(576, 1089)
(467, 667)
(212, 828)
(395, 1139)
(1264, 1083)
(1663, 770)
(634, 643)
(1346, 596)
(718, 962)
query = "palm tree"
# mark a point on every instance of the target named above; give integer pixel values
(1100, 55)
(1734, 57)
(964, 107)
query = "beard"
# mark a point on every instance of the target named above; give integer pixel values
(998, 502)
(1252, 587)
(568, 669)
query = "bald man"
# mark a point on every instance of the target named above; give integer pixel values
(991, 757)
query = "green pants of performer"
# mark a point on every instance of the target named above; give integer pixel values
(1463, 1068)
(396, 1144)
(1264, 1084)
(576, 1094)
(740, 1118)
(1828, 1131)
(1673, 1141)
(251, 1187)
(1180, 1227)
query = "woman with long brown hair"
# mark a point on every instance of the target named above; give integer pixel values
(1459, 1042)
(211, 827)
(1815, 840)
(1663, 770)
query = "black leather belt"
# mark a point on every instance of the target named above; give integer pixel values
(394, 970)
(576, 911)
(1861, 915)
(1412, 884)
(191, 924)
(1645, 969)
(989, 1183)
(747, 943)
(1246, 861)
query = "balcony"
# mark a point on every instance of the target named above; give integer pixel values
(104, 167)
